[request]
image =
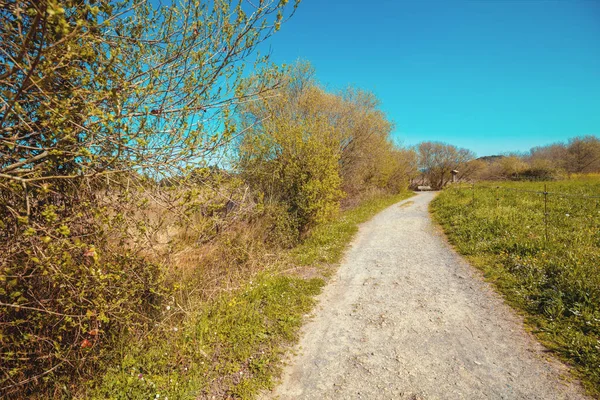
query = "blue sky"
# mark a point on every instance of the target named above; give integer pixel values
(490, 75)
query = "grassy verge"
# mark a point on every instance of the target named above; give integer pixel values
(231, 347)
(327, 243)
(551, 275)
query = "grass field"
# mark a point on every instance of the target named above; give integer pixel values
(542, 252)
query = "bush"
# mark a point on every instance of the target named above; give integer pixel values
(537, 170)
(296, 165)
(281, 227)
(67, 292)
(535, 174)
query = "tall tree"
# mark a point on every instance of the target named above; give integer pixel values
(93, 87)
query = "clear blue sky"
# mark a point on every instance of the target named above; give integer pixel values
(489, 75)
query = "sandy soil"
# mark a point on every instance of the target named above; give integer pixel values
(405, 317)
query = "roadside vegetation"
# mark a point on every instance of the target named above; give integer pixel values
(168, 197)
(230, 346)
(554, 280)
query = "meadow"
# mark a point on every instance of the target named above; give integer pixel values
(539, 243)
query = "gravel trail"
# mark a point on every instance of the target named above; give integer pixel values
(405, 317)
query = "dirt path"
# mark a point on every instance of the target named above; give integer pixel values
(407, 318)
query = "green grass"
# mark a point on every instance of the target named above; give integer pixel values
(231, 347)
(555, 282)
(326, 243)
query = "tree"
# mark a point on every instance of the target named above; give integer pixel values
(437, 160)
(291, 151)
(369, 159)
(552, 156)
(309, 148)
(578, 155)
(95, 87)
(583, 154)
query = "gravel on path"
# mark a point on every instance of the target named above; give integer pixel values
(405, 317)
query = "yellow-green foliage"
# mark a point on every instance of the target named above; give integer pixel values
(309, 148)
(107, 215)
(295, 161)
(88, 98)
(297, 165)
(557, 282)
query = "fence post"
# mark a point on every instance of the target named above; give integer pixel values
(545, 212)
(473, 189)
(497, 197)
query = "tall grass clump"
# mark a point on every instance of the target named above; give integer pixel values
(546, 264)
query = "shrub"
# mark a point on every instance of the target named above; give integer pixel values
(296, 164)
(535, 174)
(67, 292)
(281, 227)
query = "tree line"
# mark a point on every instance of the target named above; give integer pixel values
(436, 161)
(578, 155)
